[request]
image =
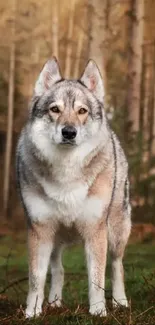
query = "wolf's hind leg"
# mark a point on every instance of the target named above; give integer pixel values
(118, 236)
(57, 272)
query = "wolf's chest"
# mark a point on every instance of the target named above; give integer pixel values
(66, 198)
(70, 202)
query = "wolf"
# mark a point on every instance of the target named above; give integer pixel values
(73, 182)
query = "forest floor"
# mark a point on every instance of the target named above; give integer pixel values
(139, 264)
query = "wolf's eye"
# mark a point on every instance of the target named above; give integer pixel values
(55, 109)
(82, 110)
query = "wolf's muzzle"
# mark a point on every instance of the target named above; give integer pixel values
(69, 132)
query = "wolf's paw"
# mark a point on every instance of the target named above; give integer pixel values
(32, 312)
(98, 309)
(56, 303)
(120, 302)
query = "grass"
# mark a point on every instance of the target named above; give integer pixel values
(139, 263)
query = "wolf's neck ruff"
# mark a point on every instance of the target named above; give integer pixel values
(66, 165)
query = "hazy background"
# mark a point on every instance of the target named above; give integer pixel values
(120, 36)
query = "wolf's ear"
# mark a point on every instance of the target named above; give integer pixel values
(92, 79)
(49, 75)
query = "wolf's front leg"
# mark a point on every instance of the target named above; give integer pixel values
(40, 247)
(96, 251)
(118, 289)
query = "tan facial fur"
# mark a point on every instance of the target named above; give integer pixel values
(76, 115)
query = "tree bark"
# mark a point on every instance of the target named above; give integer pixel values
(98, 35)
(69, 40)
(153, 131)
(135, 62)
(55, 29)
(78, 54)
(148, 102)
(9, 135)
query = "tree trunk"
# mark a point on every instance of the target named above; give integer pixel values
(153, 131)
(69, 40)
(9, 135)
(147, 102)
(98, 35)
(55, 29)
(34, 64)
(135, 62)
(78, 54)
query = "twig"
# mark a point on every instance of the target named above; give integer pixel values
(13, 283)
(16, 282)
(5, 318)
(145, 311)
(115, 319)
(148, 283)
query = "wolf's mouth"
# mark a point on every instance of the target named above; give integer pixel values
(68, 142)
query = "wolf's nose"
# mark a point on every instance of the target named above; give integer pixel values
(69, 132)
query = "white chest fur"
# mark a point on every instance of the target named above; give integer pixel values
(65, 203)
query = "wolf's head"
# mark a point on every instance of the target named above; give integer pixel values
(67, 112)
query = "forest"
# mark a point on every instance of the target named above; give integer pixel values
(119, 35)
